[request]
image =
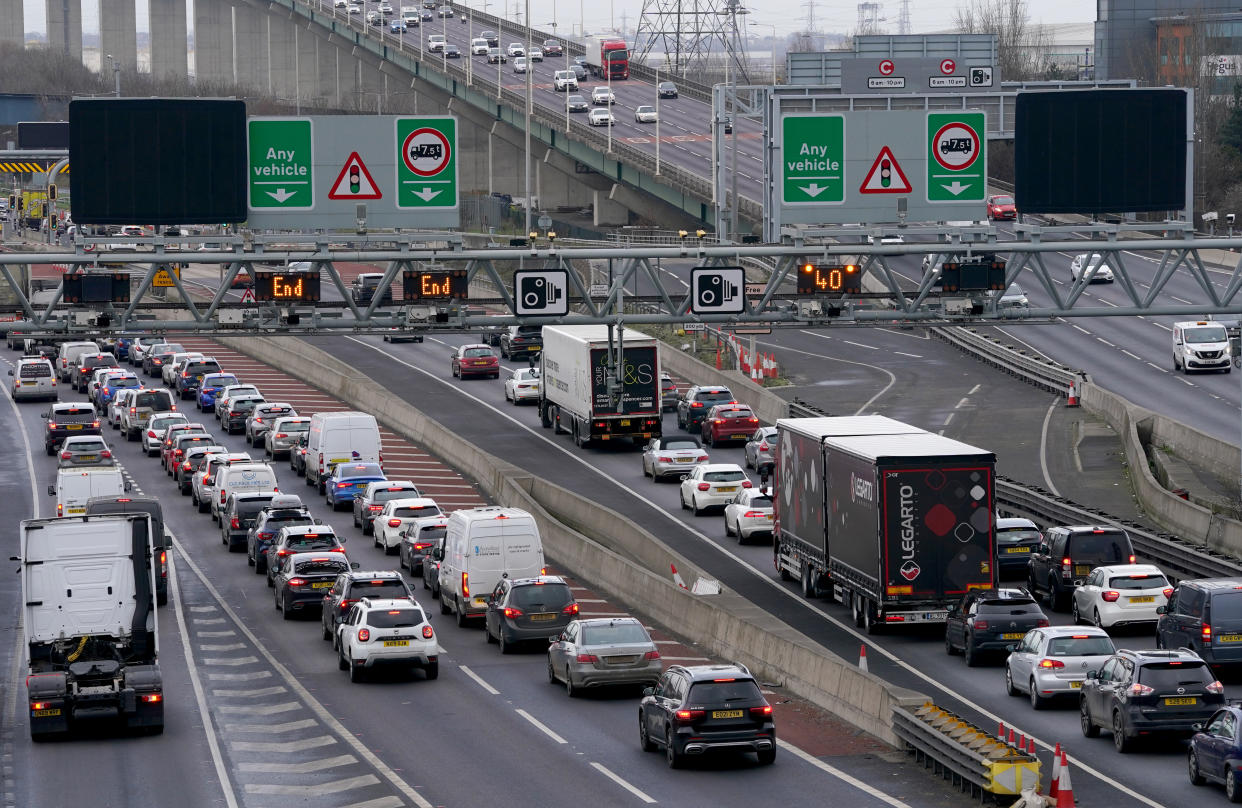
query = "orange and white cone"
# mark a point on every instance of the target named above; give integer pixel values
(1065, 796)
(862, 658)
(1071, 398)
(1055, 787)
(677, 576)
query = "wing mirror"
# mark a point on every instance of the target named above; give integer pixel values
(51, 490)
(354, 565)
(648, 691)
(1093, 675)
(437, 554)
(1162, 610)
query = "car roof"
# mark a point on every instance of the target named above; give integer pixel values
(357, 575)
(1015, 521)
(410, 502)
(310, 554)
(386, 604)
(1214, 584)
(706, 467)
(474, 345)
(1130, 569)
(1070, 631)
(700, 673)
(538, 580)
(300, 529)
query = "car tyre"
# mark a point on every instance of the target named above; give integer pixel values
(1095, 619)
(570, 690)
(327, 635)
(694, 505)
(507, 647)
(1074, 611)
(1120, 742)
(682, 496)
(1037, 701)
(1192, 769)
(1232, 792)
(1056, 598)
(432, 669)
(644, 738)
(461, 613)
(671, 755)
(552, 680)
(1085, 722)
(341, 662)
(444, 608)
(969, 654)
(355, 672)
(1010, 689)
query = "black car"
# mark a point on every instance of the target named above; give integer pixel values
(451, 51)
(239, 514)
(293, 539)
(576, 103)
(667, 89)
(528, 610)
(989, 621)
(186, 383)
(153, 362)
(693, 406)
(239, 409)
(493, 39)
(351, 586)
(297, 456)
(421, 536)
(64, 420)
(1017, 539)
(1068, 554)
(302, 579)
(87, 365)
(580, 72)
(431, 566)
(365, 286)
(1145, 693)
(1205, 616)
(697, 709)
(521, 341)
(284, 511)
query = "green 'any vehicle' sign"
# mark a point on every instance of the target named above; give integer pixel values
(281, 170)
(813, 159)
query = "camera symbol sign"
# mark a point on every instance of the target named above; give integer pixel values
(717, 290)
(541, 292)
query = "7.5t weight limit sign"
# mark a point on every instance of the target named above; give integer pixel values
(426, 163)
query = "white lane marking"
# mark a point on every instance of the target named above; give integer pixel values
(1080, 328)
(892, 378)
(948, 419)
(282, 746)
(860, 345)
(911, 355)
(869, 790)
(973, 390)
(962, 403)
(1186, 382)
(1180, 299)
(298, 768)
(230, 661)
(478, 680)
(932, 682)
(229, 633)
(924, 338)
(1109, 303)
(230, 647)
(542, 727)
(333, 787)
(379, 802)
(272, 729)
(266, 709)
(1157, 367)
(239, 677)
(209, 621)
(599, 767)
(1162, 325)
(1132, 355)
(1043, 447)
(249, 693)
(1106, 342)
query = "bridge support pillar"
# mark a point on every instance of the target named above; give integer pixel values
(609, 212)
(249, 47)
(282, 59)
(169, 44)
(118, 35)
(327, 67)
(213, 41)
(64, 26)
(558, 189)
(306, 75)
(13, 22)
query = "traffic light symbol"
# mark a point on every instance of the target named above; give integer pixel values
(355, 179)
(886, 173)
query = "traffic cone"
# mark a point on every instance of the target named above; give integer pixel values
(717, 357)
(1000, 731)
(1030, 747)
(1055, 787)
(1071, 398)
(1065, 796)
(862, 658)
(677, 576)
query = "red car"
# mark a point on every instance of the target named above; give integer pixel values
(475, 360)
(726, 422)
(1001, 207)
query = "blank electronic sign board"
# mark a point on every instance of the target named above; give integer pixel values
(1100, 151)
(43, 135)
(157, 161)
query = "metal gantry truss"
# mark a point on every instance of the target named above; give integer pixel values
(888, 297)
(690, 32)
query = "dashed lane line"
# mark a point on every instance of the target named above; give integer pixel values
(478, 680)
(542, 727)
(630, 787)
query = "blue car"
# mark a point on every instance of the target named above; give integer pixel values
(1215, 753)
(347, 480)
(121, 351)
(210, 387)
(108, 391)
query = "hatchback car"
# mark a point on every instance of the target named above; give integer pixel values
(519, 64)
(693, 710)
(191, 374)
(601, 117)
(528, 610)
(603, 652)
(346, 480)
(535, 55)
(352, 586)
(668, 393)
(293, 539)
(1093, 265)
(237, 411)
(988, 621)
(154, 359)
(492, 37)
(239, 513)
(1001, 206)
(1017, 539)
(474, 360)
(34, 378)
(389, 633)
(171, 433)
(693, 407)
(300, 583)
(67, 419)
(522, 385)
(1215, 752)
(369, 501)
(172, 368)
(284, 433)
(729, 422)
(285, 510)
(181, 444)
(758, 449)
(496, 56)
(191, 463)
(263, 416)
(114, 384)
(602, 96)
(750, 514)
(210, 387)
(645, 114)
(398, 514)
(1146, 693)
(1121, 595)
(1053, 661)
(229, 391)
(711, 485)
(418, 539)
(86, 367)
(451, 51)
(157, 425)
(668, 456)
(84, 450)
(515, 49)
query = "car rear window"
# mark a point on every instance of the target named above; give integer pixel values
(1015, 535)
(244, 404)
(99, 361)
(296, 426)
(1008, 606)
(1153, 581)
(358, 470)
(124, 381)
(202, 368)
(530, 331)
(321, 566)
(478, 352)
(1080, 645)
(280, 519)
(384, 495)
(1172, 675)
(736, 414)
(1227, 606)
(723, 476)
(395, 618)
(720, 692)
(541, 597)
(78, 415)
(1109, 547)
(432, 533)
(85, 445)
(714, 395)
(33, 370)
(251, 507)
(379, 588)
(617, 633)
(156, 401)
(681, 444)
(414, 513)
(760, 502)
(322, 541)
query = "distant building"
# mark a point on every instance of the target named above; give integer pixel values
(1125, 32)
(1207, 46)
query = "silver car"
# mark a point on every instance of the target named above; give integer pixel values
(665, 457)
(84, 450)
(284, 433)
(603, 651)
(759, 447)
(157, 425)
(263, 416)
(1053, 661)
(222, 397)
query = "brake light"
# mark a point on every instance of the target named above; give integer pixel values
(376, 507)
(759, 712)
(282, 434)
(221, 497)
(665, 459)
(39, 705)
(982, 625)
(66, 455)
(511, 612)
(346, 603)
(151, 433)
(587, 658)
(421, 545)
(1137, 689)
(1215, 688)
(297, 582)
(704, 487)
(364, 635)
(465, 584)
(717, 421)
(689, 715)
(1207, 633)
(697, 405)
(394, 523)
(428, 633)
(650, 655)
(133, 410)
(747, 484)
(60, 510)
(52, 425)
(280, 553)
(571, 609)
(234, 523)
(754, 420)
(702, 458)
(1167, 592)
(1051, 663)
(1043, 623)
(185, 374)
(342, 485)
(1110, 596)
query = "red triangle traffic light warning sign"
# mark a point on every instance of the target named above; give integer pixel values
(885, 176)
(354, 181)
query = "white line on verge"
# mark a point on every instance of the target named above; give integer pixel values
(842, 776)
(1043, 447)
(599, 767)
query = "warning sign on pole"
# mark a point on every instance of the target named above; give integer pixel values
(885, 176)
(248, 295)
(354, 181)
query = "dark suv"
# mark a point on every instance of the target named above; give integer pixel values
(1017, 539)
(87, 365)
(1206, 617)
(351, 587)
(194, 371)
(1144, 693)
(239, 514)
(528, 609)
(521, 340)
(701, 708)
(1068, 554)
(990, 621)
(693, 407)
(64, 420)
(364, 287)
(282, 511)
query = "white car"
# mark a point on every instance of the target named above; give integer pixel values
(230, 391)
(153, 433)
(645, 114)
(354, 9)
(750, 514)
(536, 55)
(1121, 595)
(383, 632)
(516, 49)
(519, 65)
(118, 404)
(603, 95)
(711, 485)
(478, 47)
(1102, 272)
(1013, 298)
(601, 116)
(522, 385)
(390, 523)
(172, 368)
(666, 456)
(1054, 660)
(435, 42)
(138, 349)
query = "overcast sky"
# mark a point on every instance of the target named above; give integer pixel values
(788, 16)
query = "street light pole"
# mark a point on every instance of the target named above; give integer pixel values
(772, 46)
(657, 109)
(116, 76)
(530, 96)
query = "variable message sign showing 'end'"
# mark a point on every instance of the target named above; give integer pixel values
(317, 172)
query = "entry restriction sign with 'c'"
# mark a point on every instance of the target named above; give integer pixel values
(426, 162)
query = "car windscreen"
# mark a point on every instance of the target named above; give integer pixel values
(157, 401)
(321, 566)
(714, 396)
(724, 476)
(34, 370)
(1079, 645)
(616, 633)
(1209, 333)
(395, 618)
(1013, 535)
(721, 692)
(1147, 581)
(477, 352)
(1107, 547)
(681, 444)
(541, 597)
(1227, 605)
(379, 588)
(78, 415)
(1172, 675)
(416, 512)
(530, 331)
(1002, 200)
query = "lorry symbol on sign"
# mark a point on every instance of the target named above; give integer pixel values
(426, 151)
(957, 144)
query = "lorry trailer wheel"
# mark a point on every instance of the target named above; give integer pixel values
(810, 582)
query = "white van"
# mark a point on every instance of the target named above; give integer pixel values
(241, 478)
(67, 357)
(34, 377)
(481, 546)
(74, 486)
(1201, 345)
(340, 437)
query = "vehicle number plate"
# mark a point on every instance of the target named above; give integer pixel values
(1082, 569)
(339, 460)
(1017, 549)
(1182, 701)
(685, 460)
(1229, 637)
(771, 517)
(396, 643)
(1013, 636)
(543, 616)
(1075, 685)
(727, 489)
(27, 384)
(625, 422)
(44, 713)
(934, 616)
(72, 427)
(321, 584)
(86, 458)
(75, 510)
(1144, 599)
(726, 713)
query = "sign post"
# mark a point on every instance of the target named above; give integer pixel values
(281, 170)
(957, 157)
